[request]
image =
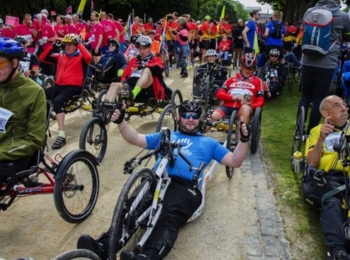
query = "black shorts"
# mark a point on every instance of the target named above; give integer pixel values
(170, 44)
(209, 44)
(225, 111)
(96, 54)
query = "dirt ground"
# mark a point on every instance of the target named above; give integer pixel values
(32, 226)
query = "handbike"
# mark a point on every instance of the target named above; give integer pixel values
(141, 200)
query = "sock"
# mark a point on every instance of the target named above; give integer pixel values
(136, 91)
(62, 134)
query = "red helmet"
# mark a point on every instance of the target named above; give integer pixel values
(249, 60)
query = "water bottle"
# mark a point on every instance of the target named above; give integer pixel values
(297, 162)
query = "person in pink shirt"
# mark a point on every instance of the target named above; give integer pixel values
(9, 31)
(27, 30)
(70, 26)
(109, 31)
(121, 31)
(46, 33)
(60, 27)
(96, 37)
(78, 25)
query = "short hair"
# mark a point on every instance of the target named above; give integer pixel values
(25, 15)
(176, 14)
(254, 12)
(110, 16)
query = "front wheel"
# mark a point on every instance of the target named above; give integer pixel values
(77, 254)
(167, 119)
(256, 128)
(132, 212)
(232, 140)
(176, 98)
(93, 138)
(76, 186)
(166, 67)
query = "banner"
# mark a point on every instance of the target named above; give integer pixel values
(162, 37)
(69, 9)
(256, 44)
(222, 12)
(12, 20)
(92, 5)
(81, 7)
(52, 13)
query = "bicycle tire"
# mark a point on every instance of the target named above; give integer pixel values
(176, 98)
(166, 68)
(77, 253)
(47, 83)
(100, 99)
(206, 94)
(97, 140)
(256, 129)
(169, 110)
(229, 144)
(298, 135)
(69, 183)
(142, 181)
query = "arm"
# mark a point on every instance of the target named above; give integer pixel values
(85, 53)
(46, 56)
(128, 133)
(267, 31)
(245, 38)
(100, 38)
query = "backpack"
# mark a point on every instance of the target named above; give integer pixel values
(317, 32)
(277, 28)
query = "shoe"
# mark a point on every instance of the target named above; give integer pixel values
(98, 246)
(127, 94)
(184, 75)
(59, 143)
(170, 68)
(341, 255)
(129, 255)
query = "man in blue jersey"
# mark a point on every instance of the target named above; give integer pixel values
(249, 31)
(181, 199)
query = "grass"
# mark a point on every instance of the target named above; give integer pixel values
(301, 221)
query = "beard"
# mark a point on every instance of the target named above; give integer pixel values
(191, 129)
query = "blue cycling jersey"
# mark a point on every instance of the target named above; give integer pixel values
(196, 148)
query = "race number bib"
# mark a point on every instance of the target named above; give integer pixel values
(4, 118)
(331, 140)
(24, 66)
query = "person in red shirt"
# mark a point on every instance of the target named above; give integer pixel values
(71, 65)
(70, 26)
(9, 32)
(224, 49)
(149, 26)
(121, 31)
(137, 28)
(78, 25)
(109, 31)
(46, 33)
(96, 37)
(26, 30)
(60, 27)
(208, 37)
(225, 28)
(243, 92)
(158, 31)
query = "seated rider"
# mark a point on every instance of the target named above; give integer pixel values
(30, 62)
(274, 73)
(143, 75)
(111, 65)
(181, 199)
(321, 141)
(22, 111)
(218, 72)
(71, 66)
(243, 92)
(224, 50)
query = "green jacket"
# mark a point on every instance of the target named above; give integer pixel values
(26, 128)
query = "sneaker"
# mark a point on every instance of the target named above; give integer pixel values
(341, 255)
(99, 247)
(170, 68)
(127, 94)
(59, 143)
(129, 255)
(184, 75)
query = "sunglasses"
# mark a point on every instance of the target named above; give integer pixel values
(3, 63)
(112, 44)
(189, 115)
(274, 56)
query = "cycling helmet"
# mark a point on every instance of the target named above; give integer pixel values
(210, 52)
(21, 39)
(11, 49)
(70, 38)
(249, 60)
(144, 41)
(274, 51)
(190, 106)
(112, 40)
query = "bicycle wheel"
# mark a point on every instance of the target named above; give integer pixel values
(48, 83)
(167, 118)
(176, 98)
(100, 98)
(77, 254)
(132, 212)
(298, 135)
(232, 140)
(166, 68)
(76, 186)
(256, 128)
(93, 138)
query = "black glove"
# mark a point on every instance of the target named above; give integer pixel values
(122, 114)
(76, 41)
(244, 138)
(57, 44)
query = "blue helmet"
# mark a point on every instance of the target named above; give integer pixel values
(11, 49)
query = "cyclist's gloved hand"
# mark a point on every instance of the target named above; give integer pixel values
(57, 44)
(244, 132)
(76, 41)
(119, 114)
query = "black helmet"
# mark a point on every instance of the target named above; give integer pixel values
(21, 39)
(190, 106)
(112, 40)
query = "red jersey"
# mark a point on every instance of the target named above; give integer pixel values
(137, 29)
(148, 27)
(61, 31)
(225, 45)
(7, 32)
(209, 30)
(225, 28)
(237, 86)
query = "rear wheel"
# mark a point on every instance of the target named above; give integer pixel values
(298, 135)
(167, 119)
(93, 138)
(77, 254)
(232, 140)
(176, 98)
(256, 128)
(76, 186)
(132, 212)
(166, 67)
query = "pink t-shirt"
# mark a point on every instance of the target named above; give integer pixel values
(7, 32)
(184, 33)
(61, 31)
(120, 28)
(24, 30)
(96, 31)
(46, 33)
(79, 26)
(108, 31)
(71, 28)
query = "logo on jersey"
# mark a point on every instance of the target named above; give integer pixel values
(241, 88)
(186, 144)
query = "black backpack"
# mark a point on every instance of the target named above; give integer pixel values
(277, 28)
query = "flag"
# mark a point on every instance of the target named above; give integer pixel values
(162, 37)
(92, 5)
(69, 9)
(128, 27)
(256, 44)
(81, 7)
(83, 34)
(99, 15)
(222, 13)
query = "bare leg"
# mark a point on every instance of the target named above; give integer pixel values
(146, 79)
(60, 121)
(113, 91)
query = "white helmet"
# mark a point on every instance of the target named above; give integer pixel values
(210, 52)
(274, 51)
(143, 41)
